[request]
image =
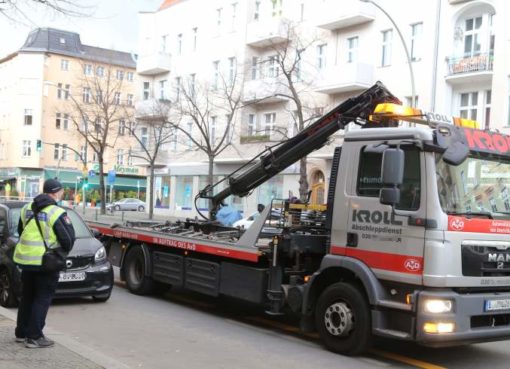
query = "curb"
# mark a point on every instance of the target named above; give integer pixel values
(74, 346)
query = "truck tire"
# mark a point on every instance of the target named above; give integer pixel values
(134, 267)
(7, 296)
(342, 318)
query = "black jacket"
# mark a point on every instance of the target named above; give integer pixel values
(63, 227)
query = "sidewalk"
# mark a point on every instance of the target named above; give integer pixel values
(66, 354)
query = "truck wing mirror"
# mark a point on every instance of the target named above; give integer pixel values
(392, 176)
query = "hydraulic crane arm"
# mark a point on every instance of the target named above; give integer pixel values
(274, 160)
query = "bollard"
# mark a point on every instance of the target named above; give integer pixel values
(122, 219)
(96, 215)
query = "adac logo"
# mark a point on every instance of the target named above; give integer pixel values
(412, 265)
(457, 224)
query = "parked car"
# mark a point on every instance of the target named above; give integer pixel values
(88, 273)
(245, 223)
(127, 204)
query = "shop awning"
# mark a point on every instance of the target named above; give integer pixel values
(69, 179)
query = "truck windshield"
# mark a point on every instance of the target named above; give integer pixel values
(477, 186)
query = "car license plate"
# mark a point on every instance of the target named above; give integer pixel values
(71, 277)
(495, 305)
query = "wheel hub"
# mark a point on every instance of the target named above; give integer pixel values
(338, 319)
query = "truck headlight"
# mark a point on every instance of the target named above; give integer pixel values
(100, 254)
(439, 327)
(436, 306)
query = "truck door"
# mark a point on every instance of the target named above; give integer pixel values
(390, 243)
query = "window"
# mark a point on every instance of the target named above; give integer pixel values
(64, 64)
(64, 152)
(234, 15)
(302, 12)
(58, 121)
(195, 36)
(94, 157)
(472, 37)
(269, 120)
(173, 139)
(100, 71)
(254, 67)
(87, 69)
(352, 49)
(120, 156)
(146, 90)
(256, 13)
(63, 91)
(179, 44)
(65, 122)
(299, 65)
(86, 95)
(468, 105)
(177, 88)
(190, 132)
(144, 137)
(28, 117)
(120, 74)
(321, 56)
(162, 45)
(416, 35)
(192, 85)
(487, 117)
(370, 181)
(218, 19)
(276, 8)
(129, 76)
(252, 125)
(60, 91)
(216, 74)
(130, 127)
(56, 151)
(184, 192)
(212, 130)
(27, 148)
(130, 158)
(62, 40)
(273, 69)
(162, 90)
(83, 153)
(122, 127)
(129, 100)
(387, 37)
(231, 70)
(116, 98)
(270, 190)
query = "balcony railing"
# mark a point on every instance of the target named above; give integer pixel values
(266, 33)
(153, 64)
(472, 64)
(334, 15)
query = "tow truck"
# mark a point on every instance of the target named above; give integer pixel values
(413, 243)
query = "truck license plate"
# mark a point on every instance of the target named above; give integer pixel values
(71, 277)
(495, 305)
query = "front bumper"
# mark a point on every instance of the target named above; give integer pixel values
(98, 282)
(472, 323)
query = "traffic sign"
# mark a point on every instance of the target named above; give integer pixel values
(111, 177)
(92, 173)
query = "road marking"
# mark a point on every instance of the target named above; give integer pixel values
(407, 360)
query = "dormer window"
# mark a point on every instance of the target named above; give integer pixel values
(62, 40)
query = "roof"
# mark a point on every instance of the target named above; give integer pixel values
(168, 3)
(51, 40)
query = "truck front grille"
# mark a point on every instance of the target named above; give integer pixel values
(483, 321)
(485, 261)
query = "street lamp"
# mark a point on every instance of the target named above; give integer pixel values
(409, 61)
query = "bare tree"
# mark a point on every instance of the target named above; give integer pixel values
(159, 132)
(206, 114)
(294, 82)
(17, 10)
(96, 110)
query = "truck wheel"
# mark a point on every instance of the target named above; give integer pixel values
(342, 318)
(134, 266)
(7, 296)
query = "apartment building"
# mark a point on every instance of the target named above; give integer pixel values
(48, 90)
(457, 50)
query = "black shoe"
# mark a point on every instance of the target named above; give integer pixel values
(41, 342)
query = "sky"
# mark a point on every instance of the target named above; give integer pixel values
(113, 24)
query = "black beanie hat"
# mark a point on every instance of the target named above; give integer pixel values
(52, 186)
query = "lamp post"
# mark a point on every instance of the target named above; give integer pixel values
(409, 61)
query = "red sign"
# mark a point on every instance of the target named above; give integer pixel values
(478, 225)
(491, 143)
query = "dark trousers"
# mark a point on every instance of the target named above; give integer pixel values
(38, 290)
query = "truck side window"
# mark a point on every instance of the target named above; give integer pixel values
(370, 183)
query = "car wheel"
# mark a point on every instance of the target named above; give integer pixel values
(7, 296)
(102, 298)
(342, 318)
(134, 268)
(141, 208)
(117, 207)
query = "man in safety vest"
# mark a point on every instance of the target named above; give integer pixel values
(38, 285)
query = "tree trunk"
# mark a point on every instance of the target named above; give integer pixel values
(210, 176)
(101, 185)
(151, 192)
(303, 180)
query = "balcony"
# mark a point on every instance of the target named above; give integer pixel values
(266, 33)
(471, 69)
(153, 64)
(346, 77)
(265, 91)
(152, 109)
(334, 16)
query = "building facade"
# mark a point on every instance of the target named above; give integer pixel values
(458, 51)
(48, 91)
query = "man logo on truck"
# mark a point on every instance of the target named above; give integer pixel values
(375, 217)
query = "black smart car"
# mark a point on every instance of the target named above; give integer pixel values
(88, 273)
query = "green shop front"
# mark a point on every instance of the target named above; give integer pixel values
(20, 182)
